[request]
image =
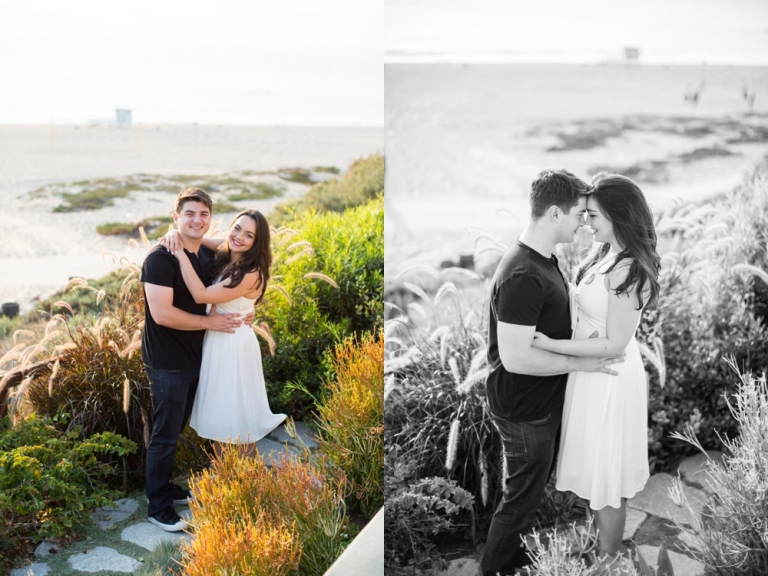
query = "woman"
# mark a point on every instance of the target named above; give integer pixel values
(231, 402)
(604, 440)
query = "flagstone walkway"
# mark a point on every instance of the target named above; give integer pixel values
(650, 516)
(98, 557)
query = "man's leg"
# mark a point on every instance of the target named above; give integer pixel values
(172, 392)
(529, 450)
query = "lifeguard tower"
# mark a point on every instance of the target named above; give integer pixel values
(123, 116)
(631, 55)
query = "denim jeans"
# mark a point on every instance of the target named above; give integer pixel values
(530, 449)
(173, 394)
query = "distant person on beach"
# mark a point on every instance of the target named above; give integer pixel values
(231, 404)
(172, 349)
(526, 384)
(604, 440)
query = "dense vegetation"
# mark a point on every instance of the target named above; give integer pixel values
(89, 388)
(714, 287)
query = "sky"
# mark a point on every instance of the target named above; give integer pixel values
(584, 31)
(295, 62)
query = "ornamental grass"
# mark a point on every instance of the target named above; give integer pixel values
(253, 516)
(351, 420)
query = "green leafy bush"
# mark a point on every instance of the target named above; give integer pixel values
(351, 420)
(713, 256)
(363, 182)
(348, 248)
(417, 513)
(49, 479)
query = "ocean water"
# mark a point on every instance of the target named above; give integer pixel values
(464, 141)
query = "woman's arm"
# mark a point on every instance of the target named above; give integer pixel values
(172, 242)
(619, 329)
(217, 293)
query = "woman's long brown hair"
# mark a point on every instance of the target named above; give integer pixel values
(258, 257)
(623, 203)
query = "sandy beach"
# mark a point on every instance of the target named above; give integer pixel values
(464, 141)
(40, 249)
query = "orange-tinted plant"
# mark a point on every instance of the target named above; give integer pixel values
(253, 517)
(351, 421)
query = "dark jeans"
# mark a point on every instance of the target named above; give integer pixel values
(173, 394)
(529, 449)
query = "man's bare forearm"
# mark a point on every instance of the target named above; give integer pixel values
(537, 362)
(180, 320)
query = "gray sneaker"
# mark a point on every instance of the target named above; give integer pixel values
(168, 520)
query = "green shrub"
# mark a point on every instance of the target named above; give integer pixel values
(9, 325)
(351, 420)
(731, 536)
(348, 248)
(154, 227)
(88, 298)
(416, 514)
(93, 198)
(363, 182)
(49, 479)
(257, 191)
(708, 310)
(96, 374)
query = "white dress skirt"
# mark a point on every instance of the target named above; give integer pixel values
(604, 437)
(231, 403)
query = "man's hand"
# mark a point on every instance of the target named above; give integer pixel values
(222, 322)
(598, 364)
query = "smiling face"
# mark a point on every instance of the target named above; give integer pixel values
(241, 236)
(193, 220)
(572, 221)
(602, 228)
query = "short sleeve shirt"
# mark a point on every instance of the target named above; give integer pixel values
(528, 289)
(167, 348)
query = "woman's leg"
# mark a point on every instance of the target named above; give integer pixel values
(247, 450)
(610, 524)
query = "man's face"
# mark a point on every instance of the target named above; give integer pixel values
(573, 220)
(193, 220)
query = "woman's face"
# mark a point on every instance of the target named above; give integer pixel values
(602, 228)
(242, 235)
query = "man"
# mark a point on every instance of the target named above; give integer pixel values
(526, 385)
(172, 349)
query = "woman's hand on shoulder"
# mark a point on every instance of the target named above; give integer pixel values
(171, 241)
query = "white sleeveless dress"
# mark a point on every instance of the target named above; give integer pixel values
(231, 402)
(604, 438)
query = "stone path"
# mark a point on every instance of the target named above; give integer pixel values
(649, 520)
(141, 532)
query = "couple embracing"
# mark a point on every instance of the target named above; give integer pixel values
(567, 388)
(203, 363)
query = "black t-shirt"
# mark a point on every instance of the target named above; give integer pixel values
(529, 290)
(167, 348)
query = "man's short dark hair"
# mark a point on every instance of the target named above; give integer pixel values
(555, 187)
(193, 195)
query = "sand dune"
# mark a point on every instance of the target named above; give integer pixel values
(463, 142)
(40, 250)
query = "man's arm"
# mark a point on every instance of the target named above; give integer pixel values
(519, 356)
(160, 302)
